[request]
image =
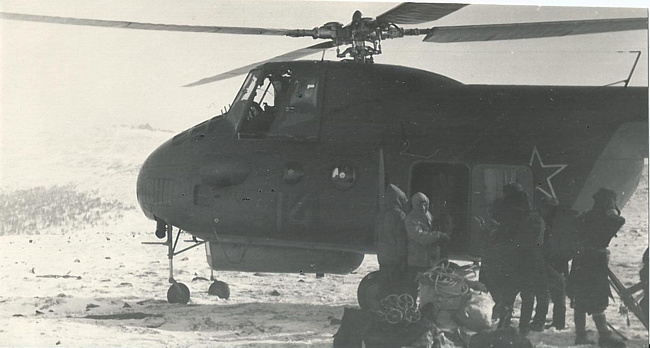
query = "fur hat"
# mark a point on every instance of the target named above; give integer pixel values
(604, 195)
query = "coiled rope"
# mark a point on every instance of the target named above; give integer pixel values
(445, 281)
(398, 309)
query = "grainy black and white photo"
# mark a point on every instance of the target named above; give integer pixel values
(323, 174)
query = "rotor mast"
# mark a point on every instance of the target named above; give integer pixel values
(363, 35)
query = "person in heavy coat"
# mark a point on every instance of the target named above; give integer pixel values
(523, 230)
(423, 240)
(391, 240)
(495, 258)
(558, 249)
(588, 285)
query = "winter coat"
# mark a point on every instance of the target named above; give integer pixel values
(423, 248)
(391, 233)
(519, 238)
(588, 280)
(561, 238)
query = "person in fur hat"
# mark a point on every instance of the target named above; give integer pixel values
(588, 280)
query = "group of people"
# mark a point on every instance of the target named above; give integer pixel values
(527, 253)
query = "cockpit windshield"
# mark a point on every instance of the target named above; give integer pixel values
(277, 103)
(243, 98)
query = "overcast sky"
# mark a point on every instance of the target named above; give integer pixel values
(58, 75)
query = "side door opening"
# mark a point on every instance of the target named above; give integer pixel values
(447, 187)
(487, 185)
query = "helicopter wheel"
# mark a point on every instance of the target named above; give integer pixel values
(370, 291)
(178, 293)
(220, 289)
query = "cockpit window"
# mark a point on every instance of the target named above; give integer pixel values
(243, 99)
(278, 104)
(301, 114)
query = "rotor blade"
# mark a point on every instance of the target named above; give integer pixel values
(514, 31)
(415, 13)
(245, 69)
(150, 26)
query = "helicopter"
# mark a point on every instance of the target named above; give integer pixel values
(290, 178)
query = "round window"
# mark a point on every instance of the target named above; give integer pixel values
(344, 177)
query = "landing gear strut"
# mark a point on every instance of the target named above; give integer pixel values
(177, 292)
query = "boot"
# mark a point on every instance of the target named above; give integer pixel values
(580, 319)
(558, 325)
(558, 321)
(559, 314)
(605, 337)
(537, 326)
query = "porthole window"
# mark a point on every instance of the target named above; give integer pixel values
(344, 177)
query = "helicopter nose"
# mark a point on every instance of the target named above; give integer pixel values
(171, 176)
(143, 194)
(156, 185)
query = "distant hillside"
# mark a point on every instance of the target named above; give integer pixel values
(61, 181)
(56, 208)
(92, 158)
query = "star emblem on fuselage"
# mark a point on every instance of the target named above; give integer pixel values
(543, 173)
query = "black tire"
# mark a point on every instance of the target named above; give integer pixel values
(369, 293)
(219, 289)
(178, 293)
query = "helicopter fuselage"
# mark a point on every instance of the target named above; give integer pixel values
(291, 177)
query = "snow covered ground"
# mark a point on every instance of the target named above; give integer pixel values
(73, 271)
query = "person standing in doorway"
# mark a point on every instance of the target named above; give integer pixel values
(423, 240)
